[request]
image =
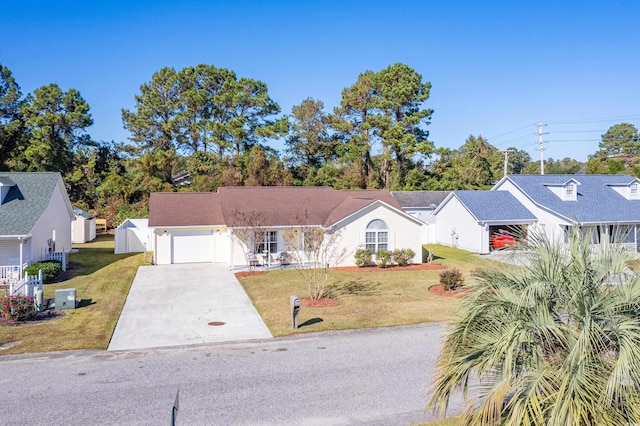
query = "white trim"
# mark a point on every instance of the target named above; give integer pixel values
(382, 203)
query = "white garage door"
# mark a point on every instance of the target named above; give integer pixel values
(192, 246)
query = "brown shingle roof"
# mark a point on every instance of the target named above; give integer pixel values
(184, 209)
(277, 205)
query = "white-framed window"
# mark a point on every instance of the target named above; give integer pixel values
(270, 243)
(634, 191)
(377, 236)
(570, 191)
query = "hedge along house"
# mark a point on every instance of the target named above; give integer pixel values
(35, 219)
(205, 227)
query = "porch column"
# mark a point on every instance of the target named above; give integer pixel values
(20, 256)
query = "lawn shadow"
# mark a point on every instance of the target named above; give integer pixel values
(311, 322)
(352, 288)
(425, 255)
(83, 303)
(92, 260)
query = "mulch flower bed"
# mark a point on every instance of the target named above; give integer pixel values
(440, 291)
(308, 302)
(36, 318)
(243, 274)
(374, 268)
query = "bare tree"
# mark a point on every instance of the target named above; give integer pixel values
(314, 252)
(249, 229)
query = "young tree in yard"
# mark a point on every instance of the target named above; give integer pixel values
(314, 252)
(249, 229)
(554, 343)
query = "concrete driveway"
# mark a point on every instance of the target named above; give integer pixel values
(172, 305)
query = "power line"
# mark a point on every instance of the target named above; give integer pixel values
(596, 120)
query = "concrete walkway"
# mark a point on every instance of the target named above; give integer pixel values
(172, 305)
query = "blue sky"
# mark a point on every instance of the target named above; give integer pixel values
(496, 68)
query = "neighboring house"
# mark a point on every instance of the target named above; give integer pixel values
(35, 217)
(608, 205)
(133, 236)
(200, 227)
(421, 205)
(470, 219)
(83, 228)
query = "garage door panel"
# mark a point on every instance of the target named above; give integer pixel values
(192, 246)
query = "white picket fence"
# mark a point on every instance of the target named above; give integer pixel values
(28, 286)
(60, 256)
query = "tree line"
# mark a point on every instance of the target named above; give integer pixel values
(219, 129)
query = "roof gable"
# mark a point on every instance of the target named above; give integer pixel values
(492, 206)
(26, 200)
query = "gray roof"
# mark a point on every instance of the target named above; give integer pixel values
(419, 199)
(26, 201)
(79, 212)
(6, 181)
(596, 201)
(494, 206)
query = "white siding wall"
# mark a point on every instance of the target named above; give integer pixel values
(403, 232)
(56, 216)
(163, 246)
(455, 217)
(220, 245)
(9, 252)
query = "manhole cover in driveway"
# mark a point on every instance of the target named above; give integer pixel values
(215, 323)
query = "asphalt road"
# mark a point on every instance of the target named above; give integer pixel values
(366, 377)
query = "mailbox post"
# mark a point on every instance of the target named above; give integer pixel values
(295, 309)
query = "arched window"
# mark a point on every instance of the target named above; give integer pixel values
(377, 236)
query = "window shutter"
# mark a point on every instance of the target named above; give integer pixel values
(361, 239)
(392, 240)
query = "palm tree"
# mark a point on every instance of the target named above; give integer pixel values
(556, 342)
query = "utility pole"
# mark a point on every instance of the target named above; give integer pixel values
(541, 147)
(506, 160)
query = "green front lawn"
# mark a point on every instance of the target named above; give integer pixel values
(367, 299)
(102, 281)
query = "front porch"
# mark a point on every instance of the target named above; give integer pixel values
(14, 279)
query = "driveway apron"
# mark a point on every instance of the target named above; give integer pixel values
(174, 305)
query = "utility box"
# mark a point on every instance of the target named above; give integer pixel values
(65, 298)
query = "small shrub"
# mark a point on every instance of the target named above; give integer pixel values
(363, 257)
(16, 308)
(451, 279)
(51, 269)
(402, 257)
(383, 258)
